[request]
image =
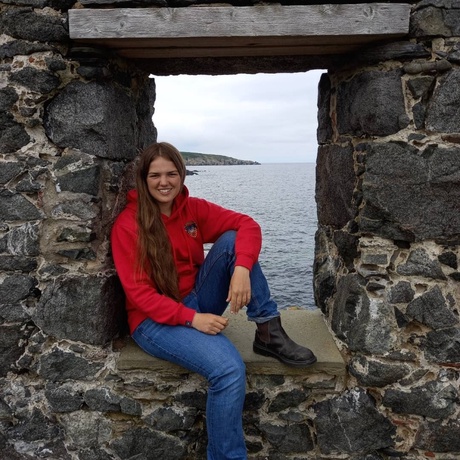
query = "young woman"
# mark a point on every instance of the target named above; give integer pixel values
(175, 296)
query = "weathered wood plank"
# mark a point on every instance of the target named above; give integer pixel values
(234, 51)
(260, 20)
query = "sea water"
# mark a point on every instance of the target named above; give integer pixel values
(281, 198)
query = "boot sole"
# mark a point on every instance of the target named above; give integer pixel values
(266, 352)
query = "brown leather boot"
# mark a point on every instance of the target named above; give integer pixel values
(272, 340)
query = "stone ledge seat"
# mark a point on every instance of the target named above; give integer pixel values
(306, 327)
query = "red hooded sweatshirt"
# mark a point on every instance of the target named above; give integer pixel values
(193, 222)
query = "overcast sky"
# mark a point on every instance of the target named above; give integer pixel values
(269, 118)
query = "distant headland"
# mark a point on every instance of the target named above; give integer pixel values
(205, 159)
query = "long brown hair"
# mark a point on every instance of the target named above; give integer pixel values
(154, 252)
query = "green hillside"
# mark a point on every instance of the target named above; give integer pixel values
(205, 159)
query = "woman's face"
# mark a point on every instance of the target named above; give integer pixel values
(164, 183)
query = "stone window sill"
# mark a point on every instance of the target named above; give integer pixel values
(306, 327)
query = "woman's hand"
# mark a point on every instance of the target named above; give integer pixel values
(209, 323)
(239, 293)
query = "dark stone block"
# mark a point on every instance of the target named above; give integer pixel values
(13, 136)
(433, 400)
(442, 346)
(290, 438)
(10, 348)
(17, 263)
(24, 23)
(324, 131)
(443, 115)
(373, 373)
(438, 436)
(254, 400)
(195, 399)
(365, 325)
(146, 444)
(420, 264)
(59, 366)
(167, 419)
(347, 245)
(435, 18)
(411, 195)
(371, 103)
(78, 254)
(40, 81)
(91, 318)
(78, 234)
(23, 240)
(64, 398)
(449, 258)
(102, 400)
(420, 87)
(9, 170)
(15, 207)
(35, 427)
(82, 181)
(287, 399)
(15, 288)
(402, 292)
(8, 97)
(431, 309)
(335, 182)
(95, 118)
(355, 423)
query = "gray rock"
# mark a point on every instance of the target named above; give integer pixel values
(371, 103)
(411, 196)
(286, 399)
(59, 366)
(324, 131)
(421, 86)
(13, 135)
(431, 309)
(93, 318)
(442, 346)
(36, 426)
(289, 438)
(364, 324)
(449, 258)
(102, 400)
(433, 400)
(23, 240)
(373, 373)
(40, 81)
(95, 118)
(15, 207)
(145, 444)
(350, 423)
(24, 23)
(11, 347)
(436, 18)
(8, 97)
(9, 170)
(438, 436)
(442, 115)
(402, 292)
(420, 264)
(335, 182)
(168, 419)
(15, 288)
(17, 263)
(77, 173)
(64, 398)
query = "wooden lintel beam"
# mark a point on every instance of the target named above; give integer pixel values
(261, 26)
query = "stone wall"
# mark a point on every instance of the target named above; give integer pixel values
(386, 268)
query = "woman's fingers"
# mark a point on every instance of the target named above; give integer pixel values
(209, 323)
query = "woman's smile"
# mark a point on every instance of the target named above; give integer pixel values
(164, 183)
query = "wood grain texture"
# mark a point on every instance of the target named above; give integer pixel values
(233, 31)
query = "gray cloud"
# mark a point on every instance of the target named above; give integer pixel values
(264, 117)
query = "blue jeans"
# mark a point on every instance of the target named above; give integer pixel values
(213, 356)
